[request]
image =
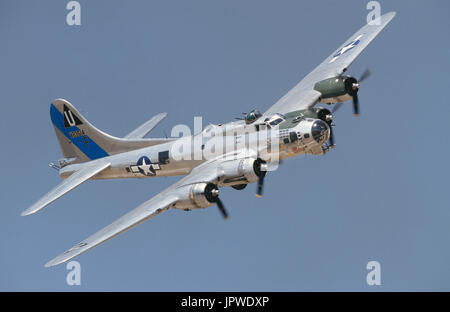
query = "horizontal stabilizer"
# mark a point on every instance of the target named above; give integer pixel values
(67, 185)
(146, 127)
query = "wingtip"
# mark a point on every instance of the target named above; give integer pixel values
(27, 212)
(54, 262)
(390, 15)
(385, 19)
(163, 114)
(48, 264)
(33, 209)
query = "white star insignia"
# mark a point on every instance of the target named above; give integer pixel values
(146, 167)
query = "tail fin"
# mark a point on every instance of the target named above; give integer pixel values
(81, 140)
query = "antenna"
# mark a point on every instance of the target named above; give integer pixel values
(54, 166)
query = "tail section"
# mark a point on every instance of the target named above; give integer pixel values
(81, 140)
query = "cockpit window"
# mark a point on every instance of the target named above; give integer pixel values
(275, 119)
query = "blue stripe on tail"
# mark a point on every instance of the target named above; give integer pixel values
(83, 142)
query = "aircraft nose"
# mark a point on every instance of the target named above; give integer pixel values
(320, 131)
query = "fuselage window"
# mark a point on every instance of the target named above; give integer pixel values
(163, 157)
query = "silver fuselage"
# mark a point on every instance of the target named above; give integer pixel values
(181, 155)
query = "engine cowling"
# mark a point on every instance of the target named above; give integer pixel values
(337, 89)
(241, 171)
(199, 195)
(318, 113)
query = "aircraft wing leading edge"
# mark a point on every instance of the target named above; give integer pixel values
(149, 209)
(303, 94)
(140, 214)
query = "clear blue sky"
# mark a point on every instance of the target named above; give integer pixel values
(380, 195)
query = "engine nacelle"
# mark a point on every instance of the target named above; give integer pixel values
(200, 195)
(318, 113)
(241, 171)
(337, 89)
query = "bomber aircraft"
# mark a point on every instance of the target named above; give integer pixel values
(296, 121)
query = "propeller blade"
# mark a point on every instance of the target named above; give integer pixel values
(259, 191)
(222, 209)
(261, 170)
(355, 105)
(365, 75)
(331, 136)
(336, 107)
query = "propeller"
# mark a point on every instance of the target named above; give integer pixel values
(222, 208)
(365, 75)
(336, 107)
(259, 190)
(355, 84)
(260, 168)
(331, 136)
(212, 195)
(355, 105)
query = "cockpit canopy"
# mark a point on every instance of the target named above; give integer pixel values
(252, 116)
(275, 119)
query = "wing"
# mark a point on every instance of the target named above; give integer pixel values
(67, 185)
(149, 209)
(303, 94)
(146, 127)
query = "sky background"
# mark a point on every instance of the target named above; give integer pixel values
(380, 195)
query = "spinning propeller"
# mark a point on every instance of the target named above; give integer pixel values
(222, 209)
(363, 77)
(355, 87)
(331, 136)
(260, 168)
(212, 194)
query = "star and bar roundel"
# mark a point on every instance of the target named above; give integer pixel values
(145, 167)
